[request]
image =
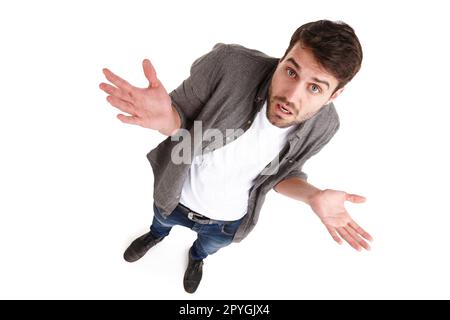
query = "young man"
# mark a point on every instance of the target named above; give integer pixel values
(283, 112)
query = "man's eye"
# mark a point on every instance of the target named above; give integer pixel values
(291, 73)
(315, 88)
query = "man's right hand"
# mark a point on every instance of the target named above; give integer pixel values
(147, 107)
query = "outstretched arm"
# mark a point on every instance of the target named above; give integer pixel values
(329, 206)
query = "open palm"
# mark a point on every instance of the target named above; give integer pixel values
(149, 107)
(329, 206)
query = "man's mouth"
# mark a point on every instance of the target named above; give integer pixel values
(283, 109)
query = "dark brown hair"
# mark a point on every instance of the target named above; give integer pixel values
(335, 46)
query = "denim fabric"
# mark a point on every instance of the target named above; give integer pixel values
(210, 237)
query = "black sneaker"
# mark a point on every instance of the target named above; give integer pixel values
(139, 247)
(193, 274)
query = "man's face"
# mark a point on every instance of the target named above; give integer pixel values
(299, 88)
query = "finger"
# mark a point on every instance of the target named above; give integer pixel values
(334, 235)
(114, 91)
(118, 81)
(347, 237)
(121, 104)
(129, 119)
(354, 198)
(360, 230)
(357, 237)
(150, 73)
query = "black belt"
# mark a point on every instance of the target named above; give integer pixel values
(197, 217)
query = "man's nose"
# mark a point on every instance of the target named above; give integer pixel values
(292, 97)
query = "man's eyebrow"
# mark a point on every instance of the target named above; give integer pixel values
(322, 81)
(291, 60)
(297, 66)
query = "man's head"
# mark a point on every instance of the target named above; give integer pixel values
(322, 57)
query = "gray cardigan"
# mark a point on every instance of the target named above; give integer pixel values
(226, 88)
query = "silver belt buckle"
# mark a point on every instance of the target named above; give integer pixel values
(194, 216)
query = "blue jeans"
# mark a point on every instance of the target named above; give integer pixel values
(210, 237)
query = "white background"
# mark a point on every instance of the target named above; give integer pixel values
(76, 187)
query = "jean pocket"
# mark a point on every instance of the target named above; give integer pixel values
(229, 229)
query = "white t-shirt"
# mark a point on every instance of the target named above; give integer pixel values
(218, 184)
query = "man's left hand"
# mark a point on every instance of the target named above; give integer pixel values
(329, 206)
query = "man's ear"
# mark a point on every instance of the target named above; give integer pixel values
(335, 95)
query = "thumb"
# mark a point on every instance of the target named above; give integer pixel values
(354, 198)
(150, 73)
